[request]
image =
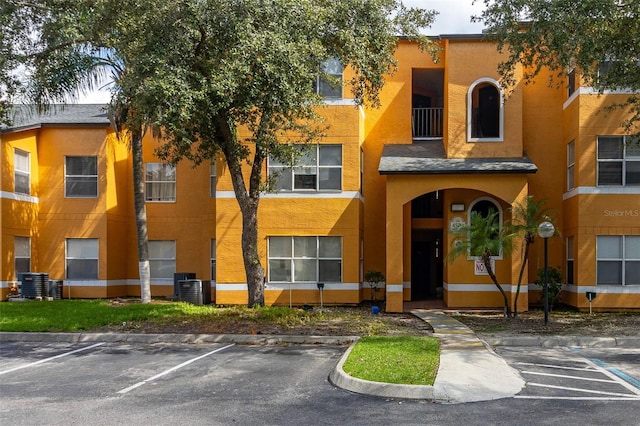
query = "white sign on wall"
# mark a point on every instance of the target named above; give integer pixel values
(479, 268)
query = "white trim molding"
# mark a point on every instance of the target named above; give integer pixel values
(19, 197)
(601, 190)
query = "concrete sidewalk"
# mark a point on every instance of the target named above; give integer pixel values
(469, 370)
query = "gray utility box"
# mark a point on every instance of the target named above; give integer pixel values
(180, 276)
(196, 292)
(34, 284)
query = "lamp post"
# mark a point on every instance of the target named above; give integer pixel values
(545, 231)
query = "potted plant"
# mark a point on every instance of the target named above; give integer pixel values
(374, 278)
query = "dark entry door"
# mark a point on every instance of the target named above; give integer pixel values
(426, 264)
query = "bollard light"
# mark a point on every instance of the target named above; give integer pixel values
(546, 231)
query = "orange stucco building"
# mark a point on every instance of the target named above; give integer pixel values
(381, 191)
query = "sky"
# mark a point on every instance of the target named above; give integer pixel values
(454, 17)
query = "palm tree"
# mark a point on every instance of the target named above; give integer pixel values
(61, 73)
(525, 219)
(483, 238)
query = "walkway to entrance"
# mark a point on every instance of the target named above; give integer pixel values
(424, 304)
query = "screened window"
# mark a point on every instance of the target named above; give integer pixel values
(213, 260)
(160, 182)
(213, 176)
(571, 82)
(570, 256)
(485, 110)
(22, 254)
(329, 82)
(305, 259)
(618, 161)
(318, 168)
(82, 258)
(618, 260)
(162, 258)
(571, 165)
(81, 177)
(22, 172)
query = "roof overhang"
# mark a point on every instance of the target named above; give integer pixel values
(428, 158)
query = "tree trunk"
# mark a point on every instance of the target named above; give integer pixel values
(520, 275)
(248, 200)
(486, 259)
(141, 216)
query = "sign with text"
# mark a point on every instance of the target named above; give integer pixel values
(479, 268)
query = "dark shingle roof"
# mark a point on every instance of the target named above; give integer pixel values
(429, 158)
(25, 117)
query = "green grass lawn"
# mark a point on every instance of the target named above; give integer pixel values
(83, 315)
(411, 360)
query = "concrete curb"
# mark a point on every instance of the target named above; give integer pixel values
(562, 341)
(386, 390)
(242, 339)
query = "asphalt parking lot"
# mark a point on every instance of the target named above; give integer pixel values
(583, 374)
(107, 383)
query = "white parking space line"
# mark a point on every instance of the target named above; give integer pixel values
(565, 376)
(559, 367)
(157, 376)
(542, 385)
(51, 358)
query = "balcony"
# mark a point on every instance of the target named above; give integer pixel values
(427, 123)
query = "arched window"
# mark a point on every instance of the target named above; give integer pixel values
(485, 206)
(485, 119)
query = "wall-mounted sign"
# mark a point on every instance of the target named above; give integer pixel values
(455, 223)
(479, 268)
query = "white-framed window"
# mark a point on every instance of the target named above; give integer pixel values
(162, 258)
(213, 260)
(21, 172)
(618, 161)
(305, 259)
(618, 259)
(571, 165)
(213, 174)
(160, 182)
(318, 168)
(22, 254)
(82, 258)
(329, 82)
(485, 112)
(81, 176)
(485, 206)
(570, 257)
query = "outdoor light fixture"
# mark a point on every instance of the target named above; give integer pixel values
(457, 207)
(546, 230)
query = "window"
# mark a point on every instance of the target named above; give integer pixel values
(22, 254)
(162, 259)
(82, 258)
(213, 175)
(571, 82)
(486, 207)
(485, 113)
(329, 82)
(213, 260)
(160, 182)
(618, 161)
(618, 259)
(319, 168)
(21, 172)
(571, 165)
(305, 259)
(570, 260)
(81, 177)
